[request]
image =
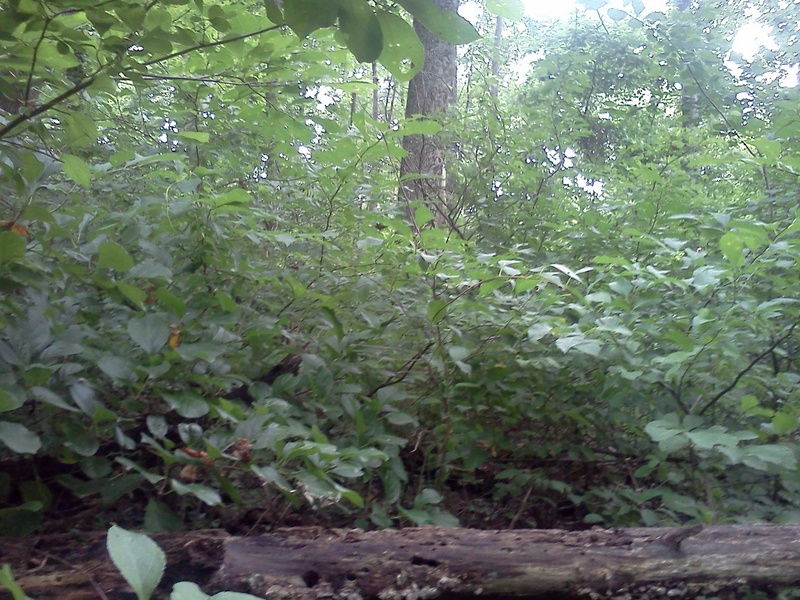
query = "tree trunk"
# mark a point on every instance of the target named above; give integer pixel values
(314, 563)
(430, 93)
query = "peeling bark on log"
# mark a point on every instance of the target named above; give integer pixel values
(429, 562)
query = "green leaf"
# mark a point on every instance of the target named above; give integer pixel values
(784, 423)
(77, 169)
(7, 581)
(771, 149)
(187, 403)
(423, 215)
(403, 53)
(580, 343)
(226, 303)
(447, 25)
(437, 310)
(136, 295)
(81, 131)
(170, 301)
(149, 332)
(19, 438)
(513, 10)
(764, 456)
(12, 245)
(158, 517)
(419, 126)
(732, 248)
(361, 29)
(185, 590)
(117, 368)
(305, 16)
(537, 331)
(48, 396)
(114, 256)
(201, 137)
(139, 560)
(617, 14)
(203, 493)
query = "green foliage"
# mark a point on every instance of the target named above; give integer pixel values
(7, 581)
(212, 300)
(141, 562)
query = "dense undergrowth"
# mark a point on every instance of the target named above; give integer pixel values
(215, 313)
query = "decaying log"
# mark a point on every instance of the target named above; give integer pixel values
(430, 562)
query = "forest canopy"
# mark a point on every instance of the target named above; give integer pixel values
(220, 308)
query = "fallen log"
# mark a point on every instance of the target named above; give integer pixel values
(419, 563)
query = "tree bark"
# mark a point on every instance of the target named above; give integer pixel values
(315, 563)
(430, 94)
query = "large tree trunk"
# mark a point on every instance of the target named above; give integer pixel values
(314, 563)
(430, 93)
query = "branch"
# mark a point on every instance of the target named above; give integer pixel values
(403, 372)
(744, 371)
(11, 125)
(14, 123)
(208, 45)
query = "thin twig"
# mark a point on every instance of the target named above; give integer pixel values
(744, 371)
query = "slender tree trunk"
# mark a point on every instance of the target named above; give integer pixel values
(430, 93)
(498, 40)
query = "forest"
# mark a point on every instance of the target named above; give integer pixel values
(373, 264)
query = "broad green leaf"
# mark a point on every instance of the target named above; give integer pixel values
(188, 404)
(437, 310)
(305, 16)
(714, 436)
(149, 332)
(601, 297)
(226, 303)
(361, 29)
(771, 149)
(76, 169)
(139, 560)
(170, 301)
(114, 256)
(419, 126)
(117, 367)
(617, 14)
(10, 400)
(784, 423)
(732, 248)
(580, 343)
(19, 438)
(136, 295)
(660, 430)
(538, 331)
(79, 439)
(763, 456)
(185, 590)
(203, 493)
(50, 397)
(458, 353)
(403, 54)
(201, 137)
(158, 517)
(12, 245)
(513, 10)
(489, 286)
(81, 131)
(423, 215)
(447, 25)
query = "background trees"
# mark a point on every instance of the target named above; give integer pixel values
(216, 310)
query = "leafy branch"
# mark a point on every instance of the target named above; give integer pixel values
(748, 368)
